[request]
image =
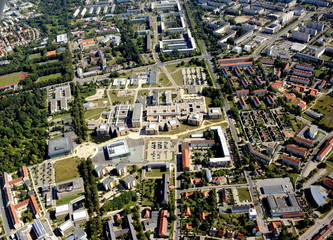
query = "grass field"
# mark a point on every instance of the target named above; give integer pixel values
(243, 194)
(178, 77)
(48, 77)
(163, 79)
(155, 173)
(93, 113)
(33, 56)
(143, 93)
(67, 200)
(115, 98)
(66, 169)
(324, 105)
(12, 78)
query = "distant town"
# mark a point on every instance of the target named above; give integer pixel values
(175, 119)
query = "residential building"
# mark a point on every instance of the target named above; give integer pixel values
(242, 92)
(261, 157)
(304, 142)
(108, 183)
(130, 182)
(304, 67)
(300, 36)
(300, 104)
(291, 161)
(100, 170)
(185, 157)
(241, 209)
(242, 103)
(260, 92)
(297, 151)
(163, 224)
(226, 159)
(165, 189)
(121, 168)
(301, 80)
(326, 150)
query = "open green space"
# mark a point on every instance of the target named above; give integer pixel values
(48, 77)
(120, 100)
(34, 56)
(155, 173)
(67, 200)
(148, 192)
(178, 78)
(324, 105)
(243, 194)
(5, 80)
(143, 93)
(93, 113)
(163, 79)
(182, 129)
(66, 169)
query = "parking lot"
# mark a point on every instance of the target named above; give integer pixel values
(160, 150)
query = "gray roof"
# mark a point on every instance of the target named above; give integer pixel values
(241, 208)
(275, 189)
(99, 168)
(38, 228)
(165, 194)
(62, 145)
(137, 112)
(280, 206)
(120, 166)
(317, 196)
(107, 181)
(129, 179)
(132, 233)
(330, 176)
(110, 234)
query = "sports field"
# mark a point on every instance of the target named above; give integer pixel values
(12, 78)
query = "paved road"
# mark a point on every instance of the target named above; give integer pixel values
(319, 224)
(4, 213)
(206, 188)
(255, 199)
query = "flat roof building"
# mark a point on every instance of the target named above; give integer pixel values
(285, 205)
(317, 196)
(118, 149)
(60, 147)
(137, 115)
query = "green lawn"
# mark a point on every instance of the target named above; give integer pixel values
(163, 79)
(182, 129)
(66, 169)
(67, 200)
(33, 56)
(244, 194)
(324, 105)
(317, 72)
(143, 93)
(155, 173)
(178, 78)
(208, 101)
(93, 113)
(121, 100)
(9, 79)
(48, 77)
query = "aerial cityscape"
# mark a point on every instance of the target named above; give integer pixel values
(166, 119)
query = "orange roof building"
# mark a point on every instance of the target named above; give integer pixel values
(187, 211)
(326, 150)
(185, 159)
(163, 227)
(188, 194)
(50, 53)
